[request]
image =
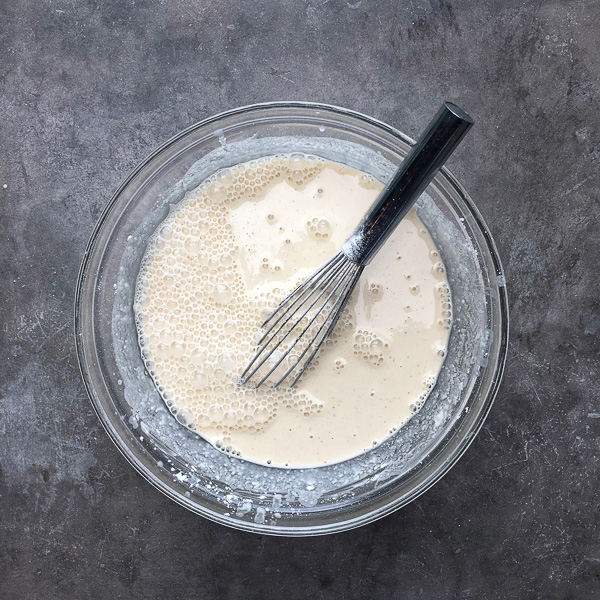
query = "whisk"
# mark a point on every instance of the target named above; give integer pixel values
(312, 310)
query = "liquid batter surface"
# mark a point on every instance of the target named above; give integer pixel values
(226, 256)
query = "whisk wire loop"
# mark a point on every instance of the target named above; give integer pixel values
(324, 286)
(336, 258)
(336, 282)
(331, 319)
(304, 294)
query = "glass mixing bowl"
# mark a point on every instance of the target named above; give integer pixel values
(226, 489)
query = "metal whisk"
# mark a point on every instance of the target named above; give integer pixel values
(315, 306)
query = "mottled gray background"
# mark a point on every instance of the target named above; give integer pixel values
(88, 89)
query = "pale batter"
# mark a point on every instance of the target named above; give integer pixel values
(228, 253)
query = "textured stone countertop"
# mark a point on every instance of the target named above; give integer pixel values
(88, 89)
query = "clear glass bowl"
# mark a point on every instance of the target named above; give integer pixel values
(247, 496)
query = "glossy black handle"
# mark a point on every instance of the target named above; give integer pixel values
(426, 157)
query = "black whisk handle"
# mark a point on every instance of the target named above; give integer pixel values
(443, 134)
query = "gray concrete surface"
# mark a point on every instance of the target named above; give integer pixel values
(88, 89)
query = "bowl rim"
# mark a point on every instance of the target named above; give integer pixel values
(376, 512)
